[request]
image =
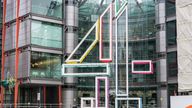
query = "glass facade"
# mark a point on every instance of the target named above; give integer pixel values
(38, 30)
(172, 64)
(171, 33)
(122, 53)
(89, 13)
(9, 65)
(46, 34)
(51, 8)
(37, 33)
(170, 8)
(33, 32)
(148, 94)
(142, 46)
(29, 94)
(48, 8)
(10, 37)
(141, 30)
(171, 37)
(24, 60)
(25, 7)
(10, 10)
(45, 65)
(24, 33)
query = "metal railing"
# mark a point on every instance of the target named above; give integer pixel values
(33, 105)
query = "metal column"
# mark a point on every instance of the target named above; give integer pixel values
(71, 40)
(161, 48)
(17, 54)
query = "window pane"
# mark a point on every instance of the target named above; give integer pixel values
(25, 6)
(51, 8)
(171, 33)
(10, 37)
(46, 34)
(24, 33)
(170, 8)
(172, 64)
(45, 65)
(10, 10)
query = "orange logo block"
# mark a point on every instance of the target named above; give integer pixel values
(190, 106)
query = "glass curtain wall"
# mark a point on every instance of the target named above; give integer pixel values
(10, 37)
(10, 10)
(171, 33)
(170, 8)
(46, 34)
(24, 59)
(141, 47)
(36, 33)
(89, 12)
(51, 8)
(24, 32)
(39, 33)
(45, 65)
(47, 8)
(172, 64)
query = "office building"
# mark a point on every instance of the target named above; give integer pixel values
(41, 34)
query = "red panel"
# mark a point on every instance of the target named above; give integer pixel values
(101, 49)
(44, 96)
(17, 53)
(142, 62)
(59, 96)
(3, 50)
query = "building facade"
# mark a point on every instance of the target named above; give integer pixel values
(1, 17)
(41, 34)
(33, 50)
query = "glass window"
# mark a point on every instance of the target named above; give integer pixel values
(10, 10)
(172, 91)
(141, 30)
(24, 60)
(45, 65)
(170, 8)
(9, 66)
(141, 19)
(171, 33)
(135, 79)
(25, 6)
(10, 37)
(89, 12)
(24, 33)
(148, 95)
(46, 34)
(52, 8)
(172, 64)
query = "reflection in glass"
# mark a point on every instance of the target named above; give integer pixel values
(46, 34)
(121, 55)
(51, 8)
(45, 65)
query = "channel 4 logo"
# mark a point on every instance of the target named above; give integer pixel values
(190, 106)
